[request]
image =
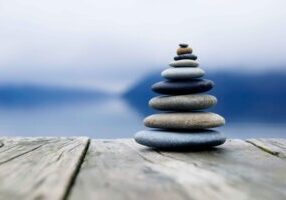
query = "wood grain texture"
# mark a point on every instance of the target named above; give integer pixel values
(38, 168)
(273, 146)
(122, 169)
(112, 170)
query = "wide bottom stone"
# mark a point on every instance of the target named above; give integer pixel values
(178, 140)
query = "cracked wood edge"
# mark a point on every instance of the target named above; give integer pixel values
(123, 169)
(113, 170)
(276, 147)
(39, 168)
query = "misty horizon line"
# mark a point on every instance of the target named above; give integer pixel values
(53, 86)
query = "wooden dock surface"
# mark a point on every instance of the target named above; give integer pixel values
(80, 168)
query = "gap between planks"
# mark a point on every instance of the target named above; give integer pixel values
(40, 168)
(273, 146)
(77, 170)
(125, 170)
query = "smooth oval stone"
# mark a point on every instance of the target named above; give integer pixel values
(183, 102)
(184, 50)
(186, 56)
(189, 121)
(183, 73)
(184, 63)
(183, 87)
(183, 45)
(161, 139)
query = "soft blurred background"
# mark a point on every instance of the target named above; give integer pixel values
(85, 67)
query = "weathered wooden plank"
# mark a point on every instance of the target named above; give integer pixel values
(273, 146)
(39, 168)
(122, 169)
(234, 171)
(112, 170)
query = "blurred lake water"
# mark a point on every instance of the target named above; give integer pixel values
(108, 117)
(104, 118)
(252, 104)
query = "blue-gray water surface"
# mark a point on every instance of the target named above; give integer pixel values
(108, 117)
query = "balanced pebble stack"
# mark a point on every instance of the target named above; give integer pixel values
(182, 124)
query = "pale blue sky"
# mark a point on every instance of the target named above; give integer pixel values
(110, 44)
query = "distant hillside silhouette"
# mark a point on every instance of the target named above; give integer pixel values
(242, 97)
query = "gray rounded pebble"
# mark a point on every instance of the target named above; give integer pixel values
(186, 56)
(182, 73)
(187, 121)
(191, 86)
(183, 102)
(178, 140)
(184, 63)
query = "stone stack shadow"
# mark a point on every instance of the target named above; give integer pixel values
(182, 125)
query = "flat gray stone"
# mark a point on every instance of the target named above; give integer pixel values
(183, 73)
(184, 63)
(183, 102)
(176, 140)
(180, 87)
(186, 56)
(187, 121)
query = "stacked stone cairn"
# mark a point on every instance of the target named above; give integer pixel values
(182, 124)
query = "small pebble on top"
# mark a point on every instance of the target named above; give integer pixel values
(183, 45)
